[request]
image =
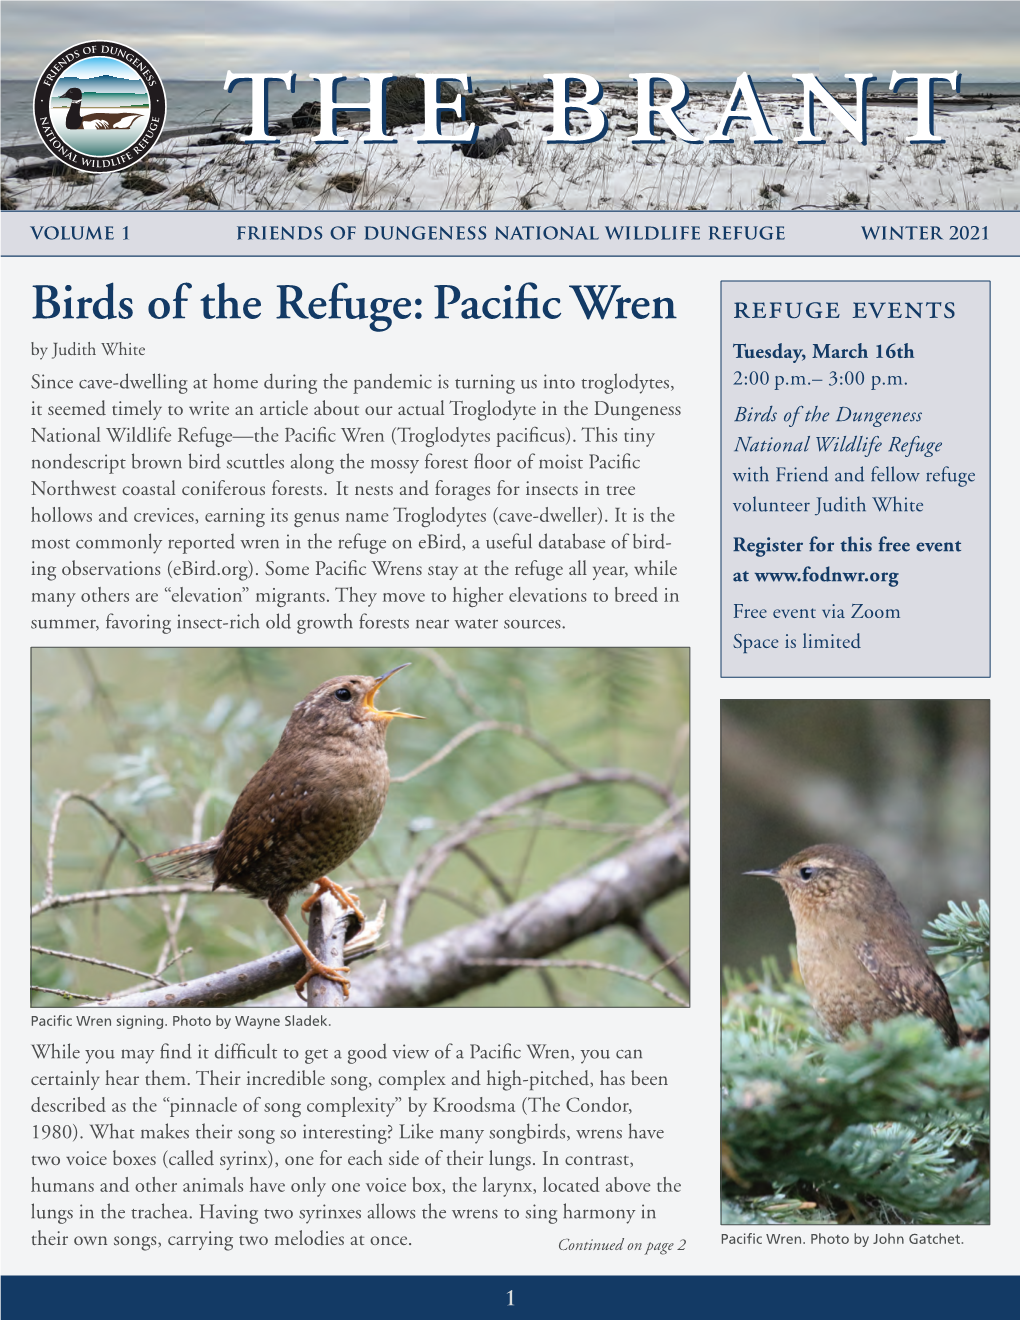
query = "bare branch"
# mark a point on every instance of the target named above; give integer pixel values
(585, 964)
(108, 864)
(453, 678)
(99, 695)
(66, 994)
(506, 898)
(435, 891)
(495, 880)
(135, 891)
(535, 831)
(668, 962)
(551, 989)
(170, 947)
(434, 857)
(445, 966)
(170, 962)
(170, 954)
(488, 726)
(234, 985)
(69, 796)
(328, 923)
(98, 962)
(538, 820)
(198, 814)
(438, 891)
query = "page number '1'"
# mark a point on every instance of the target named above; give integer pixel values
(510, 1294)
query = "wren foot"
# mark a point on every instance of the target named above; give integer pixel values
(316, 968)
(327, 886)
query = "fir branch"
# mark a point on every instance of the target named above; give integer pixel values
(962, 933)
(889, 1127)
(872, 1122)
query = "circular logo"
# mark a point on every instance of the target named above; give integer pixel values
(99, 106)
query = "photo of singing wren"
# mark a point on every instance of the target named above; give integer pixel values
(855, 937)
(359, 827)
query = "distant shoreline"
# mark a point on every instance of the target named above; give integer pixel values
(18, 150)
(208, 166)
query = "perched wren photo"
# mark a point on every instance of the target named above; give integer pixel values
(311, 806)
(860, 958)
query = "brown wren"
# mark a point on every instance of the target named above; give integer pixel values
(860, 958)
(311, 806)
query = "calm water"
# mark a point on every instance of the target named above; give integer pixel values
(206, 102)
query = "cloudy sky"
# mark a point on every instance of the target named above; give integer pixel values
(496, 38)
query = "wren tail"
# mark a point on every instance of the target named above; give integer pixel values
(195, 861)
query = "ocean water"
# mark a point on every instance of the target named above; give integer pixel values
(186, 103)
(99, 144)
(206, 102)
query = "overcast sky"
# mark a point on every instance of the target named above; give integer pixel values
(495, 38)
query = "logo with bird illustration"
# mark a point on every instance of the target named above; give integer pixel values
(99, 107)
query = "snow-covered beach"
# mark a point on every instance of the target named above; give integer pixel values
(976, 168)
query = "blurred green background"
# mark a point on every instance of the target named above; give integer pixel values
(904, 781)
(155, 729)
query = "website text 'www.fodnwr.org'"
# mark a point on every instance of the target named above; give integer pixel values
(809, 574)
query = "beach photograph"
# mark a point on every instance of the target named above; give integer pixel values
(734, 103)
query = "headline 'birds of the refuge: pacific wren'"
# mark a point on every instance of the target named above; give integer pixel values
(311, 806)
(860, 958)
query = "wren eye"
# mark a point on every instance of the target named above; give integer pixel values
(343, 694)
(806, 872)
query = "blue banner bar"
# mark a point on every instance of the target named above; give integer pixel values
(534, 1297)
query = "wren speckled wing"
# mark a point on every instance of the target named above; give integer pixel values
(917, 989)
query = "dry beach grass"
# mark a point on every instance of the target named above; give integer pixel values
(977, 168)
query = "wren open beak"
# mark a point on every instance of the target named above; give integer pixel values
(387, 714)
